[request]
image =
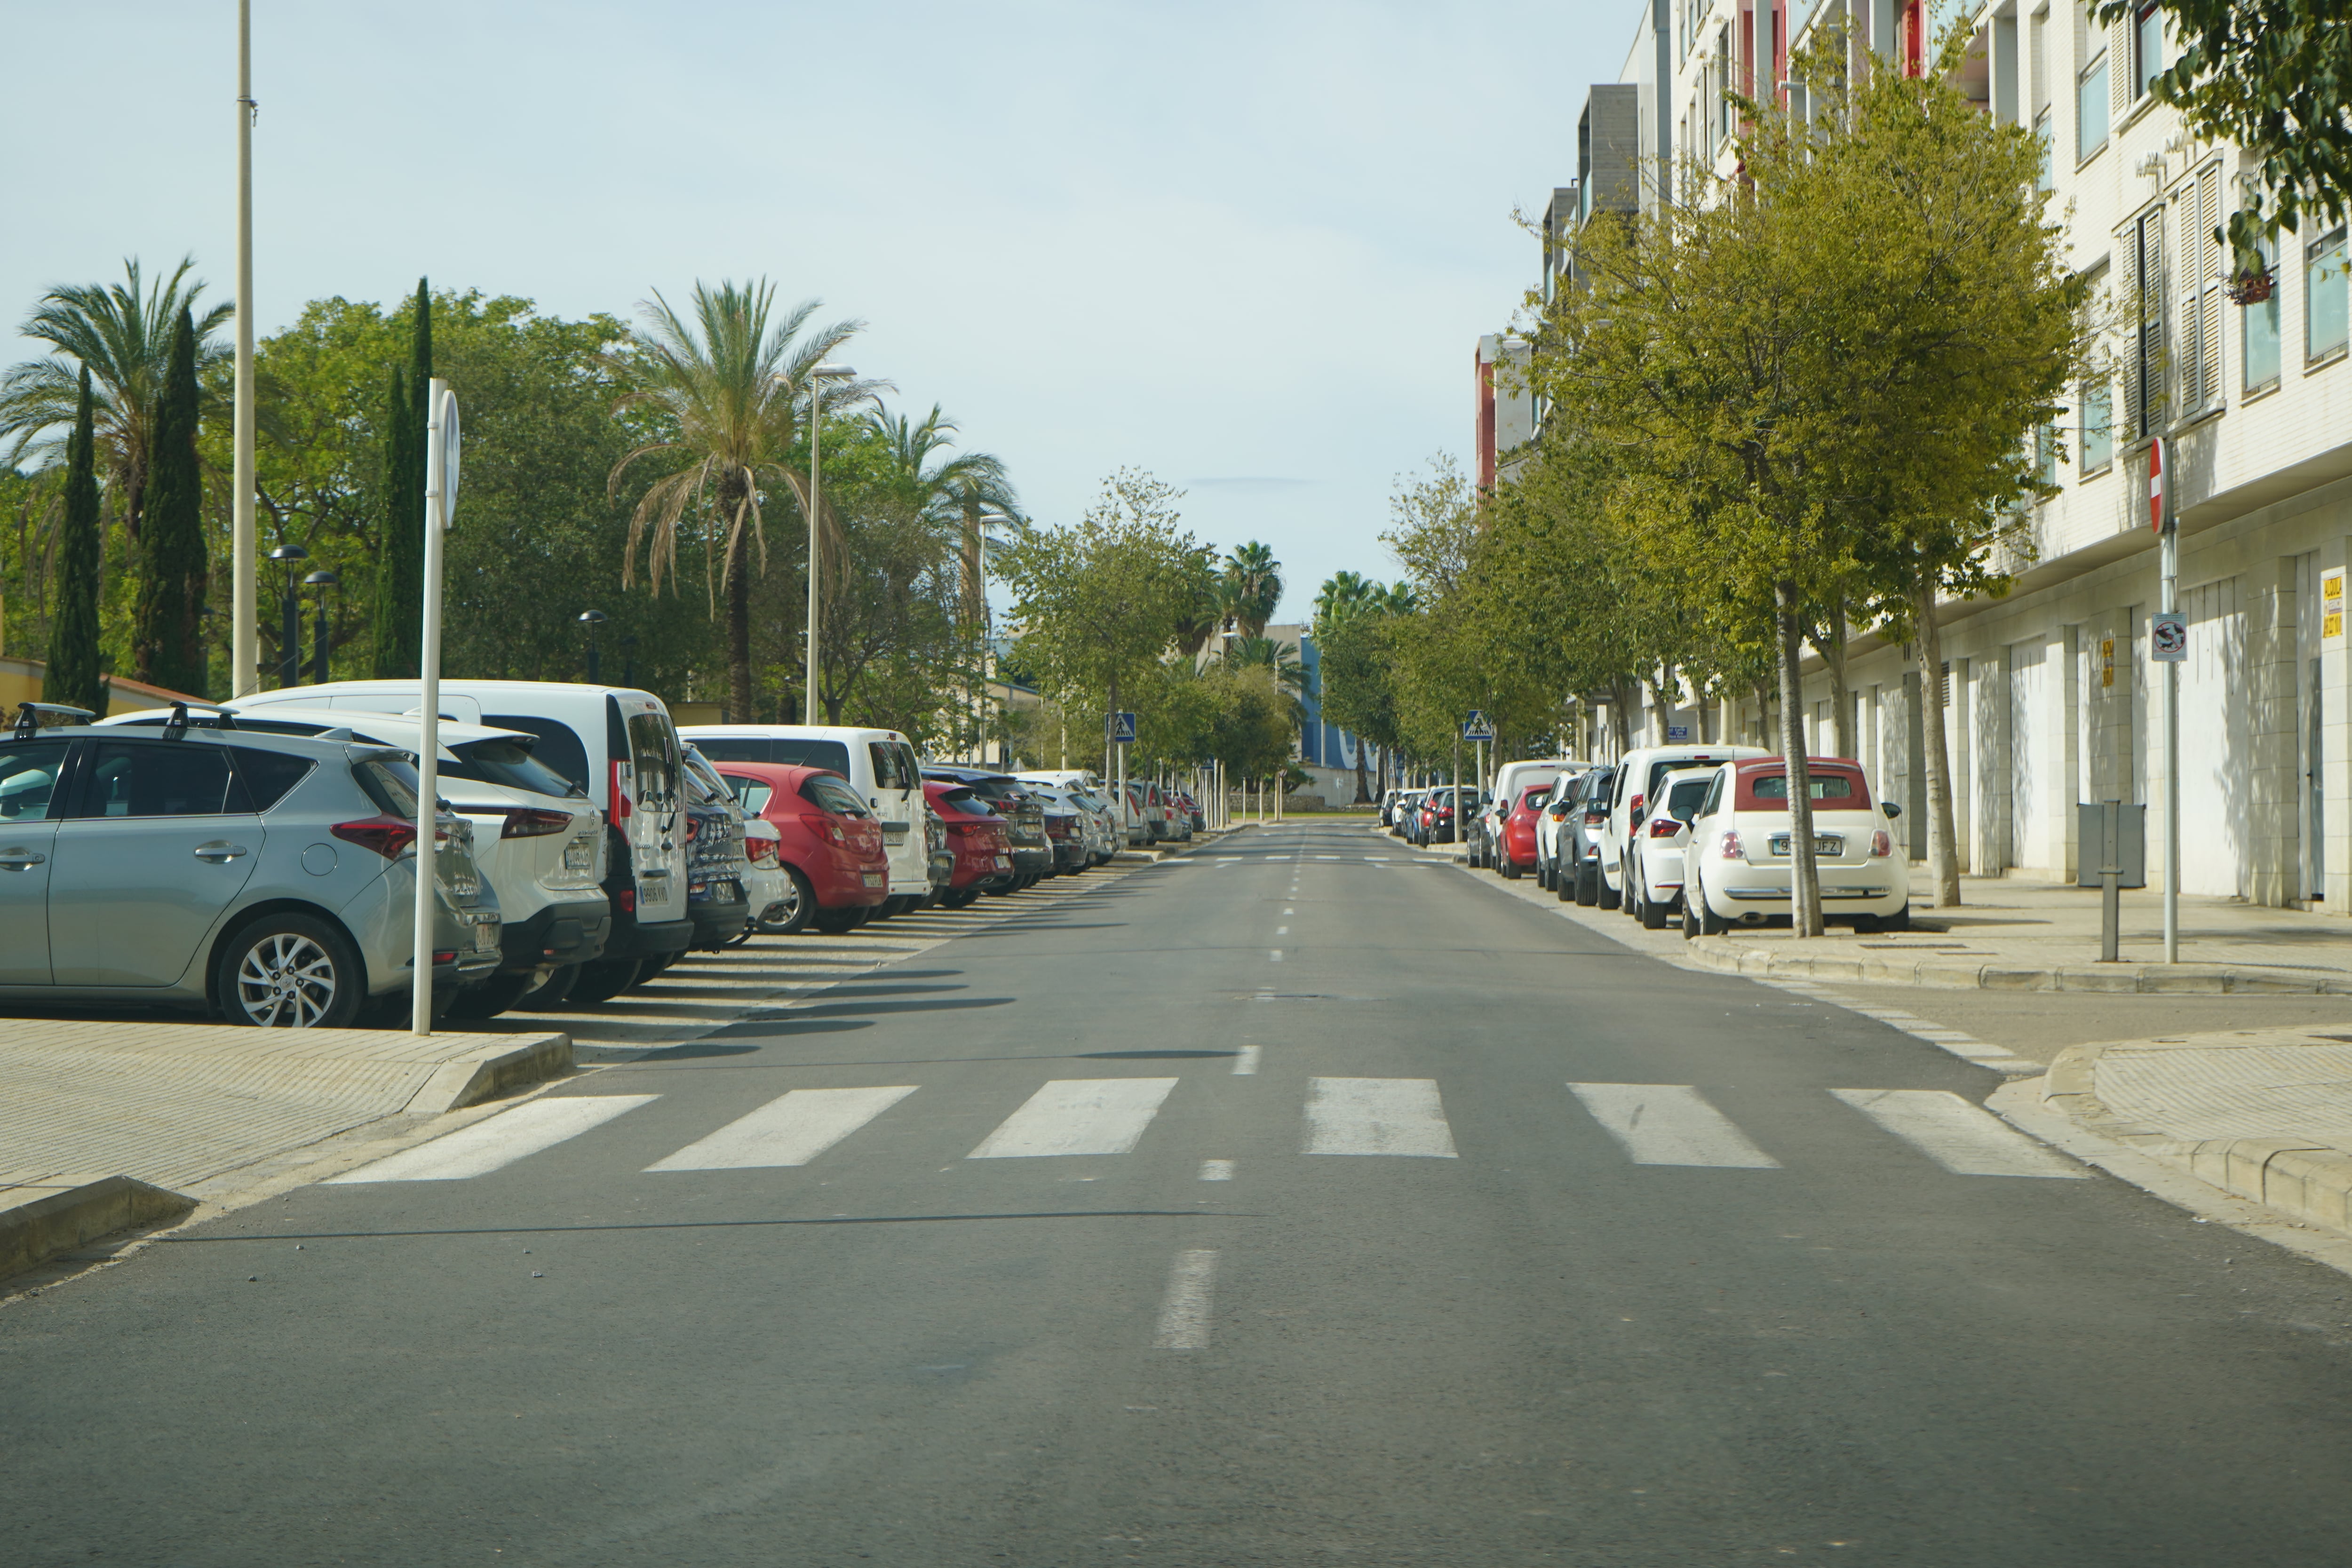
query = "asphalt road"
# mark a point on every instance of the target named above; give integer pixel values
(1432, 1305)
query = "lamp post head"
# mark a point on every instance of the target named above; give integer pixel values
(832, 372)
(592, 617)
(326, 577)
(289, 552)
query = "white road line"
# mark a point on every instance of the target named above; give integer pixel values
(1326, 857)
(1377, 859)
(1966, 1046)
(1184, 1315)
(1965, 1139)
(1077, 1116)
(1229, 860)
(1670, 1124)
(497, 1141)
(1281, 930)
(791, 1130)
(1274, 955)
(1216, 1170)
(1376, 1116)
(1246, 1059)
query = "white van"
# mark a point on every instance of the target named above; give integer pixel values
(1636, 787)
(879, 765)
(617, 744)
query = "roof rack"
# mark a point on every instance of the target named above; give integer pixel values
(32, 718)
(176, 725)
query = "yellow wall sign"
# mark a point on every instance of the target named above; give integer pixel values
(2331, 604)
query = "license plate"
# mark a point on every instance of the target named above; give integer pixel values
(486, 936)
(580, 855)
(876, 878)
(1821, 846)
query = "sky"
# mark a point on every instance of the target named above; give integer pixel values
(1246, 248)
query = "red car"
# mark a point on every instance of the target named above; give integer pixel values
(830, 846)
(1519, 831)
(983, 851)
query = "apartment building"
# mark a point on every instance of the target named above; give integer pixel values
(2049, 693)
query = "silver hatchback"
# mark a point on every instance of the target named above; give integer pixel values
(266, 878)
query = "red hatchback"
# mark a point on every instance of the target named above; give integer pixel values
(829, 844)
(1519, 830)
(983, 850)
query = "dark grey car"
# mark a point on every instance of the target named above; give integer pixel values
(268, 878)
(1578, 876)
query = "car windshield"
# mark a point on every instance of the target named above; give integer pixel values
(509, 764)
(1685, 798)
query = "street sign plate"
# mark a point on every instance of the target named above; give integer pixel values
(2168, 636)
(2156, 486)
(1678, 732)
(1122, 729)
(449, 444)
(1476, 728)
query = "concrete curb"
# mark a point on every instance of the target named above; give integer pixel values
(2110, 979)
(53, 1214)
(493, 1070)
(2306, 1181)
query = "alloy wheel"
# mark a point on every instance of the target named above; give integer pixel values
(285, 981)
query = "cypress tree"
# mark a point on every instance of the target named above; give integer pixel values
(74, 678)
(400, 559)
(167, 635)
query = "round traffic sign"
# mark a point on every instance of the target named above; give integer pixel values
(449, 444)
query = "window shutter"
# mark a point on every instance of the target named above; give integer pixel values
(2129, 310)
(2211, 269)
(2119, 74)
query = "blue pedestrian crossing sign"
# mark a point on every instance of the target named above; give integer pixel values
(1476, 728)
(1122, 729)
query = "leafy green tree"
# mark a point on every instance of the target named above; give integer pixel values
(1356, 694)
(73, 677)
(2275, 76)
(724, 388)
(168, 639)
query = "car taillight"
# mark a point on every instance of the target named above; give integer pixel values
(761, 850)
(389, 837)
(1881, 843)
(1732, 848)
(1663, 827)
(620, 810)
(1634, 805)
(533, 823)
(819, 823)
(445, 955)
(626, 900)
(1595, 818)
(693, 829)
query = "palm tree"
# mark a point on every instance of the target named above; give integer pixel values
(121, 333)
(956, 495)
(1344, 593)
(733, 389)
(1252, 587)
(1289, 675)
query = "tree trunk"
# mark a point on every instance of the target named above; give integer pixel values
(1831, 644)
(1943, 840)
(1620, 718)
(1804, 876)
(738, 620)
(1363, 790)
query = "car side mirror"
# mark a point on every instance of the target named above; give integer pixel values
(1892, 810)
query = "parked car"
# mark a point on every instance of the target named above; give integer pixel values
(1389, 799)
(1637, 781)
(1738, 868)
(1438, 811)
(268, 878)
(1554, 809)
(1024, 818)
(715, 856)
(1515, 839)
(766, 884)
(1511, 780)
(1065, 828)
(941, 860)
(828, 845)
(1661, 834)
(1108, 838)
(616, 742)
(1401, 811)
(977, 836)
(880, 767)
(1096, 823)
(535, 836)
(1579, 878)
(1190, 809)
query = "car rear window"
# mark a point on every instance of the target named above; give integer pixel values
(831, 793)
(1683, 799)
(509, 764)
(653, 751)
(967, 800)
(787, 751)
(559, 747)
(269, 775)
(389, 780)
(1837, 788)
(752, 795)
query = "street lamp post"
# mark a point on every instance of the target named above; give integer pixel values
(592, 619)
(322, 580)
(818, 376)
(980, 698)
(289, 633)
(245, 630)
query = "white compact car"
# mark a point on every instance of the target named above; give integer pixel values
(766, 884)
(879, 765)
(1636, 783)
(1661, 831)
(1736, 868)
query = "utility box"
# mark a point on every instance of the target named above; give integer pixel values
(2111, 833)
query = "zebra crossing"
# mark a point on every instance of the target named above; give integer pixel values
(1651, 1124)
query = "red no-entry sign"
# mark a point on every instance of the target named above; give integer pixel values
(2156, 486)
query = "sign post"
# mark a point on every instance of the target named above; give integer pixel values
(440, 496)
(2168, 645)
(1478, 731)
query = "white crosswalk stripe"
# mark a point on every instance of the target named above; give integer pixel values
(497, 1141)
(791, 1130)
(1376, 1116)
(1077, 1116)
(1670, 1124)
(1965, 1139)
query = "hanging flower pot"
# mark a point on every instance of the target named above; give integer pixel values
(2252, 287)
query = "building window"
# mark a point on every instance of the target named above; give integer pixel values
(2045, 454)
(2042, 135)
(2147, 50)
(2091, 109)
(2259, 330)
(2146, 407)
(2325, 297)
(2098, 434)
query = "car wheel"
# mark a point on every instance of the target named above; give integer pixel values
(1653, 913)
(603, 980)
(1899, 921)
(1709, 922)
(839, 922)
(550, 993)
(289, 970)
(958, 897)
(797, 905)
(1584, 883)
(1507, 867)
(492, 996)
(1604, 895)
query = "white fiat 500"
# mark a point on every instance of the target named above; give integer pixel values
(1737, 865)
(1661, 833)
